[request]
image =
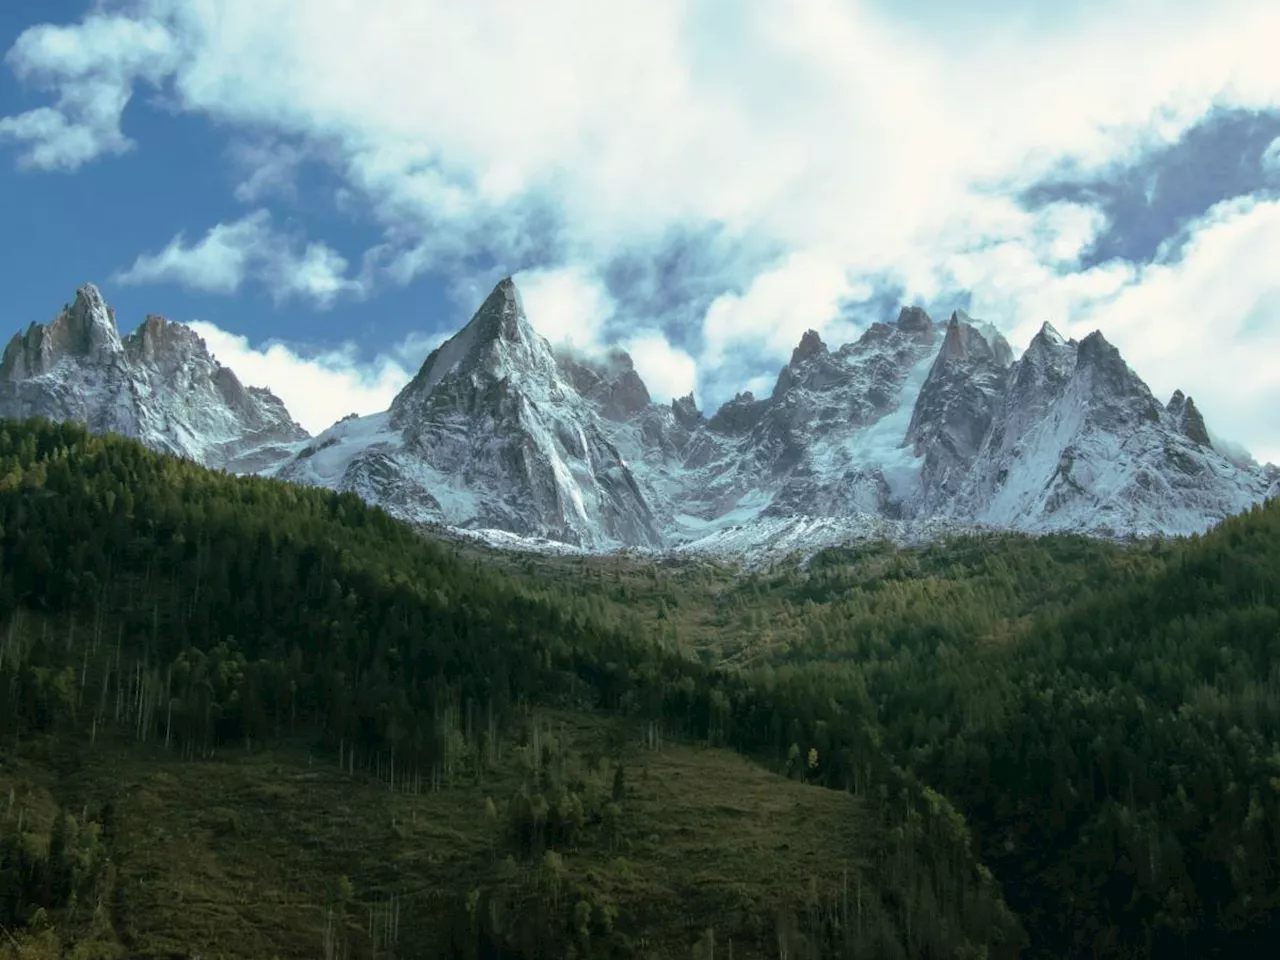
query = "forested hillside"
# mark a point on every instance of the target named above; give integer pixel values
(1087, 731)
(159, 613)
(1105, 716)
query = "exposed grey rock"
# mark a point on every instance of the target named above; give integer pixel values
(954, 410)
(496, 436)
(1185, 413)
(159, 385)
(686, 412)
(1080, 444)
(914, 426)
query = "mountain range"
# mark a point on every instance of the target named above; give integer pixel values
(915, 429)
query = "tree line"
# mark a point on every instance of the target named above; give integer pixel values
(198, 610)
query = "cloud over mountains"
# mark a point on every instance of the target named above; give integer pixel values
(826, 154)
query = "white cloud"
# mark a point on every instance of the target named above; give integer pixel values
(323, 387)
(268, 168)
(667, 371)
(93, 66)
(566, 305)
(769, 317)
(230, 253)
(317, 275)
(859, 142)
(1065, 230)
(217, 263)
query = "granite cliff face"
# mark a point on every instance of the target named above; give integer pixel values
(1079, 443)
(493, 433)
(955, 408)
(915, 429)
(159, 385)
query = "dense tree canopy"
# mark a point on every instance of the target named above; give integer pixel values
(1097, 723)
(206, 610)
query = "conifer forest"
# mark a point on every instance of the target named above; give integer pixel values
(243, 718)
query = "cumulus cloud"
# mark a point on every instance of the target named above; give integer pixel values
(250, 247)
(667, 371)
(318, 387)
(863, 146)
(819, 121)
(567, 306)
(93, 67)
(768, 318)
(217, 263)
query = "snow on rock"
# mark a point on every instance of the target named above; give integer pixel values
(490, 435)
(770, 539)
(955, 406)
(1080, 444)
(916, 430)
(159, 385)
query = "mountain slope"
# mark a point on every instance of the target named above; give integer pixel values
(246, 716)
(159, 385)
(1080, 444)
(915, 429)
(489, 434)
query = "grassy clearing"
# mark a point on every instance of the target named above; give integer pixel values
(244, 855)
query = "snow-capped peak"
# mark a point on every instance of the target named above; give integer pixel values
(498, 342)
(159, 384)
(1048, 335)
(916, 425)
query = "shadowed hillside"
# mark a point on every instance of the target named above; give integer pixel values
(247, 719)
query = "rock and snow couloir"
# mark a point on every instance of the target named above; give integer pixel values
(915, 429)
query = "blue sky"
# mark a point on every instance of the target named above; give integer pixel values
(328, 189)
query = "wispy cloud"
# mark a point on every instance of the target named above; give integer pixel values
(93, 67)
(268, 167)
(1271, 156)
(846, 147)
(249, 248)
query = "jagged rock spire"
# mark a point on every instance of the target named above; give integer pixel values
(810, 346)
(86, 328)
(159, 385)
(685, 409)
(1188, 418)
(914, 320)
(497, 343)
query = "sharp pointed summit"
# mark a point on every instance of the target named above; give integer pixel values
(497, 343)
(85, 329)
(159, 385)
(1048, 335)
(810, 345)
(502, 315)
(1185, 413)
(494, 432)
(913, 429)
